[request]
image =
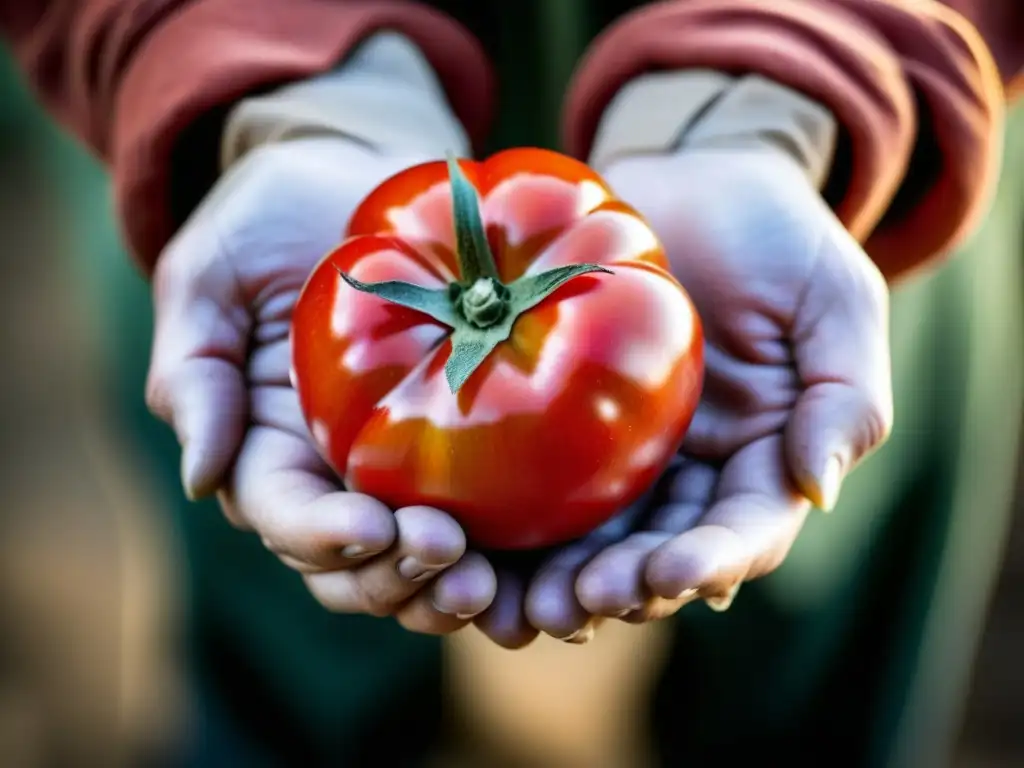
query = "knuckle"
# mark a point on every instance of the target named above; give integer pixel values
(374, 606)
(878, 422)
(157, 395)
(335, 595)
(873, 419)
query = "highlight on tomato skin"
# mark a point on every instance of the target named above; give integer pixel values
(501, 340)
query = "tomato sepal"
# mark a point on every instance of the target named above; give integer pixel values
(480, 309)
(438, 304)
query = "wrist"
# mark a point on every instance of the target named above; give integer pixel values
(385, 97)
(666, 113)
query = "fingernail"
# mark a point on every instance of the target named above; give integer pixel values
(463, 616)
(196, 480)
(412, 569)
(354, 551)
(829, 485)
(687, 594)
(186, 475)
(722, 603)
(581, 636)
(627, 611)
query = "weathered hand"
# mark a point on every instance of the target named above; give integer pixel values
(224, 290)
(797, 391)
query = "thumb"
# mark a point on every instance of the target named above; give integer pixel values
(840, 344)
(196, 378)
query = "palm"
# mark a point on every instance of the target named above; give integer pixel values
(225, 290)
(796, 372)
(280, 216)
(747, 256)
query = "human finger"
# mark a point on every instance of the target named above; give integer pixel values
(612, 583)
(457, 595)
(282, 490)
(747, 532)
(196, 380)
(504, 622)
(841, 349)
(428, 541)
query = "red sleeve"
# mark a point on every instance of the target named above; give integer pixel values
(914, 85)
(1001, 25)
(131, 78)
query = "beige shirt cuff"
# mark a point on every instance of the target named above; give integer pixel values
(665, 112)
(385, 95)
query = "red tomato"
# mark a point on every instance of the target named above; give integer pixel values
(554, 415)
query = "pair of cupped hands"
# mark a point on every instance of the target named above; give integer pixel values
(797, 391)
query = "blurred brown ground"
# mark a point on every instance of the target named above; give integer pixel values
(86, 593)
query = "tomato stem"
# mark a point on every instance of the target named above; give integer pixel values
(485, 302)
(472, 249)
(480, 309)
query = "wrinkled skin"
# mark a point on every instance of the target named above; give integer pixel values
(563, 425)
(797, 373)
(797, 370)
(224, 290)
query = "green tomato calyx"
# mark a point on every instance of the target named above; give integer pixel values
(485, 302)
(480, 309)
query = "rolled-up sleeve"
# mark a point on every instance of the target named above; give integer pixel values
(916, 90)
(132, 78)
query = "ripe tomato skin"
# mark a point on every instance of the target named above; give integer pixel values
(563, 425)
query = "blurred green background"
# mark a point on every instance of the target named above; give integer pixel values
(92, 573)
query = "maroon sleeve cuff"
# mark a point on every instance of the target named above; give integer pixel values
(912, 86)
(210, 53)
